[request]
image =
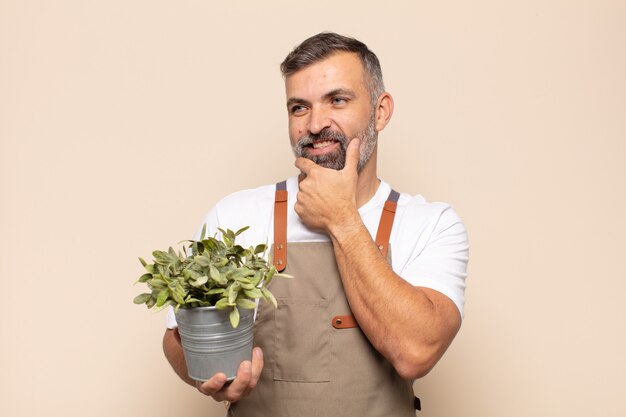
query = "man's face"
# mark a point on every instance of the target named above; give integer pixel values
(329, 105)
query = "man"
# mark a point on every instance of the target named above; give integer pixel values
(377, 293)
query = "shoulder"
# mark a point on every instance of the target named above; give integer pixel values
(433, 227)
(431, 246)
(417, 213)
(246, 197)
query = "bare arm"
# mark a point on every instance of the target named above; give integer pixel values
(247, 375)
(411, 326)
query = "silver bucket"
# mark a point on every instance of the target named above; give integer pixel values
(210, 343)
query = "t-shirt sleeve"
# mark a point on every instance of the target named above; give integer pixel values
(440, 261)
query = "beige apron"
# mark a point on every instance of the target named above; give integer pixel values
(318, 362)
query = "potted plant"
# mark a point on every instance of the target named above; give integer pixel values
(213, 286)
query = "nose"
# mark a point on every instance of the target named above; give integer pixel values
(318, 120)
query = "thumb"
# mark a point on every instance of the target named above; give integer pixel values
(353, 153)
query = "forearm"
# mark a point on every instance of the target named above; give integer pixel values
(173, 350)
(411, 326)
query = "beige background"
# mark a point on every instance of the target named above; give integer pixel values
(122, 122)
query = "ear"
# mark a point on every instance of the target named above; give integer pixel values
(384, 110)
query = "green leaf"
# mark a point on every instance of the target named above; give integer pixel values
(151, 302)
(178, 298)
(162, 298)
(234, 317)
(221, 261)
(158, 282)
(179, 293)
(142, 298)
(242, 275)
(253, 293)
(163, 258)
(222, 303)
(144, 277)
(270, 275)
(260, 248)
(269, 296)
(215, 273)
(247, 285)
(245, 303)
(216, 276)
(191, 274)
(202, 260)
(206, 245)
(167, 303)
(233, 292)
(200, 281)
(256, 279)
(240, 231)
(144, 263)
(197, 247)
(203, 234)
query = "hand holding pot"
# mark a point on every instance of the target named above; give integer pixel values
(247, 377)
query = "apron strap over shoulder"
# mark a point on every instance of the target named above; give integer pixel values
(280, 227)
(386, 222)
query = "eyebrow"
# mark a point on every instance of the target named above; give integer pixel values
(296, 100)
(330, 94)
(340, 92)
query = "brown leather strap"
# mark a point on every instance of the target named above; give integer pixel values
(344, 322)
(280, 227)
(386, 222)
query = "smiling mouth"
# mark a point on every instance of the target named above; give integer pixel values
(322, 147)
(322, 144)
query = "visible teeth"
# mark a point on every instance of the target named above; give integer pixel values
(318, 145)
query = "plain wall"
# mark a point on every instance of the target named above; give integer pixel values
(123, 122)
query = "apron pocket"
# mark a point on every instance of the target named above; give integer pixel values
(302, 341)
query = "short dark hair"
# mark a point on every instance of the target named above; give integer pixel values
(322, 45)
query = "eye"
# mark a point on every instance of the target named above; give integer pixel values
(297, 109)
(338, 101)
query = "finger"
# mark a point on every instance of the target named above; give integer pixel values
(213, 385)
(353, 153)
(235, 390)
(257, 368)
(304, 164)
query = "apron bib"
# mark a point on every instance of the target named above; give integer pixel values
(318, 362)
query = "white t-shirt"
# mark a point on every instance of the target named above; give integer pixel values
(428, 241)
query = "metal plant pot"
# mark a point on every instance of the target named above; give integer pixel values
(210, 343)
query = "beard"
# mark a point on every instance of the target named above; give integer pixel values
(337, 159)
